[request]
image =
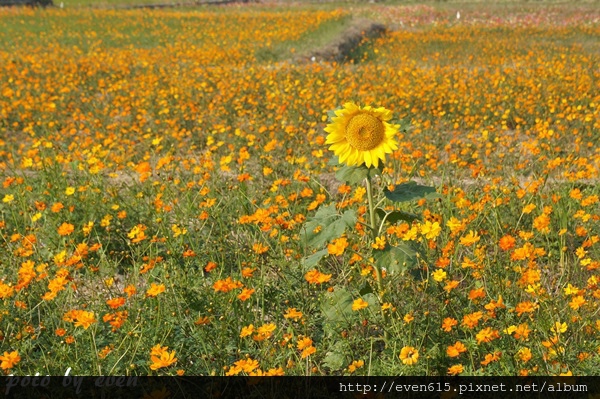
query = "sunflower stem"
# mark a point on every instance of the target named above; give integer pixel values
(374, 232)
(371, 208)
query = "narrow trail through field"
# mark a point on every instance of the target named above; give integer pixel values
(342, 46)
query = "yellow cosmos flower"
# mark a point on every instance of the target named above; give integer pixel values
(559, 327)
(164, 359)
(439, 275)
(359, 304)
(361, 135)
(431, 230)
(409, 355)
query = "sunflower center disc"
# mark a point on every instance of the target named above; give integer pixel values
(365, 132)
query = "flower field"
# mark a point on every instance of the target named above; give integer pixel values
(170, 204)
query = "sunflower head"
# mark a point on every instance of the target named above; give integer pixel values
(361, 135)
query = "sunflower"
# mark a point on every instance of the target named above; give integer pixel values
(361, 135)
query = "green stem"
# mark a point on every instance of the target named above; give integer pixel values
(374, 232)
(371, 208)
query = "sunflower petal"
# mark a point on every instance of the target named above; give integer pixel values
(367, 158)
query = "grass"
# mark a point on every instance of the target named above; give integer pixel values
(303, 48)
(170, 206)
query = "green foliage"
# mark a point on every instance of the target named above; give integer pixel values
(410, 191)
(337, 306)
(326, 225)
(335, 361)
(396, 259)
(356, 174)
(311, 261)
(393, 217)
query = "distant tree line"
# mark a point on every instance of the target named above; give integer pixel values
(31, 3)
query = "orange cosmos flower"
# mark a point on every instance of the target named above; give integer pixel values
(65, 229)
(337, 246)
(356, 364)
(306, 352)
(188, 253)
(451, 285)
(259, 248)
(247, 365)
(524, 354)
(448, 323)
(130, 290)
(507, 242)
(525, 307)
(202, 321)
(477, 293)
(210, 266)
(292, 313)
(226, 285)
(541, 224)
(246, 331)
(522, 331)
(577, 302)
(115, 302)
(6, 291)
(137, 233)
(316, 277)
(456, 349)
(456, 369)
(487, 335)
(304, 342)
(472, 320)
(9, 360)
(247, 272)
(264, 332)
(245, 294)
(162, 359)
(491, 357)
(359, 304)
(84, 319)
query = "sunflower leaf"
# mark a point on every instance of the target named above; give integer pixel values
(371, 299)
(311, 261)
(356, 174)
(337, 305)
(396, 259)
(331, 113)
(335, 361)
(333, 161)
(395, 216)
(410, 191)
(366, 289)
(326, 225)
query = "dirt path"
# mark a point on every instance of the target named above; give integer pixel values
(342, 46)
